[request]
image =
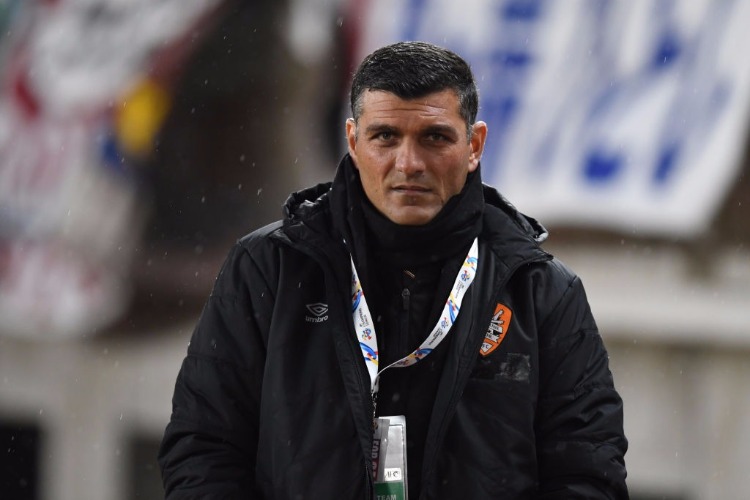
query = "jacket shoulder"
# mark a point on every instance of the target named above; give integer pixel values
(251, 257)
(559, 295)
(260, 236)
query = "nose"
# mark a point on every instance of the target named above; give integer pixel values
(409, 160)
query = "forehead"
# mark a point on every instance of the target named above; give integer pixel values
(380, 104)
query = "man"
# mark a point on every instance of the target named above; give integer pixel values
(405, 261)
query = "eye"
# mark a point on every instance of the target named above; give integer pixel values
(439, 139)
(439, 135)
(382, 134)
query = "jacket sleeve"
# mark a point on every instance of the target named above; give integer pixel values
(579, 423)
(210, 444)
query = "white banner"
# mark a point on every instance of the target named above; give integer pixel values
(628, 114)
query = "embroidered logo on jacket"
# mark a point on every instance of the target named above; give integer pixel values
(497, 329)
(319, 311)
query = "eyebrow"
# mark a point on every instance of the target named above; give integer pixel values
(432, 129)
(441, 129)
(379, 127)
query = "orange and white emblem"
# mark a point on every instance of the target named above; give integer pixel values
(497, 329)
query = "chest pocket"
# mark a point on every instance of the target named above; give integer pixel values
(510, 366)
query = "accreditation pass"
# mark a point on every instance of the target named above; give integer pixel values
(389, 458)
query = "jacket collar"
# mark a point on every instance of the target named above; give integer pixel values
(503, 222)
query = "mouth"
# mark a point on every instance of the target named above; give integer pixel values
(411, 189)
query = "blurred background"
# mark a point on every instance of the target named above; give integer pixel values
(139, 139)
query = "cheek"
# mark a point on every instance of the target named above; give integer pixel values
(372, 167)
(458, 185)
(455, 178)
(370, 180)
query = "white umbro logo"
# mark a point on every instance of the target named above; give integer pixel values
(319, 311)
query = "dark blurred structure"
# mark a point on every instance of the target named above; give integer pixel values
(224, 161)
(220, 157)
(732, 223)
(19, 461)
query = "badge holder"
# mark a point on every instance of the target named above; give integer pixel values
(389, 458)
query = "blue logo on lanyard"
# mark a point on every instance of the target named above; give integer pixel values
(421, 353)
(355, 300)
(453, 310)
(370, 354)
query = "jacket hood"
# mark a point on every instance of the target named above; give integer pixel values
(306, 201)
(528, 225)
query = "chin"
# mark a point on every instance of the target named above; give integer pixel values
(412, 219)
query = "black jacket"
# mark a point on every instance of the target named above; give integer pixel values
(273, 400)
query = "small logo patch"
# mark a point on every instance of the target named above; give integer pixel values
(319, 311)
(497, 329)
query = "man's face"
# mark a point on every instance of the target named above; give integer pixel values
(413, 155)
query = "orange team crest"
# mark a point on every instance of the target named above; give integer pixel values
(497, 329)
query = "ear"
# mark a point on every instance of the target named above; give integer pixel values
(478, 136)
(351, 138)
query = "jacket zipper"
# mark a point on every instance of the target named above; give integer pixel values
(404, 341)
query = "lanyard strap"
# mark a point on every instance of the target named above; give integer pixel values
(365, 328)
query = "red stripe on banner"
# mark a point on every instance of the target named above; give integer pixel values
(23, 95)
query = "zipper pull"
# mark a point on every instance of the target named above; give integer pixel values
(405, 295)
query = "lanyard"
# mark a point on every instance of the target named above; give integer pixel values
(365, 328)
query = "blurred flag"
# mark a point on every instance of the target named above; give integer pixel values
(623, 114)
(84, 89)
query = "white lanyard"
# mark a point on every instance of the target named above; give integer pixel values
(365, 328)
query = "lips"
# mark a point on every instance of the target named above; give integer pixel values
(411, 189)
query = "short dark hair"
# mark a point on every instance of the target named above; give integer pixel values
(415, 69)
